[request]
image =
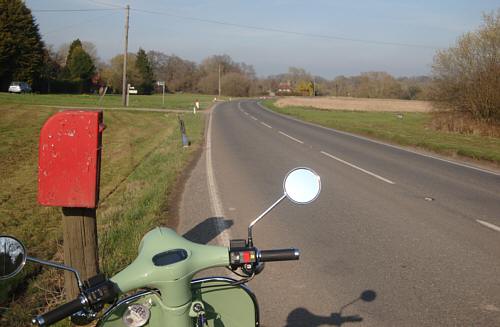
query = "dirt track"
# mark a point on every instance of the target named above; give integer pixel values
(356, 104)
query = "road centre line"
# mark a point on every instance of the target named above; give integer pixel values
(290, 137)
(382, 143)
(254, 118)
(489, 225)
(358, 168)
(265, 124)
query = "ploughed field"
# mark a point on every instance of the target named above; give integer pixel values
(356, 104)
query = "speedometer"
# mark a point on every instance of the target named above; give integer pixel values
(136, 315)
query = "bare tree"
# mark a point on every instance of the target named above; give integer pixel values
(467, 76)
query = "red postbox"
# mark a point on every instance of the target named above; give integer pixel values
(69, 159)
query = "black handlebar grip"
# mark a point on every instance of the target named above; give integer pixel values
(279, 255)
(59, 313)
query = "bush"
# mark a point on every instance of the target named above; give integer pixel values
(466, 77)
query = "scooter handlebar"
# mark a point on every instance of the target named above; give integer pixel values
(279, 255)
(60, 313)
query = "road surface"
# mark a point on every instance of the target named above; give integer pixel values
(420, 233)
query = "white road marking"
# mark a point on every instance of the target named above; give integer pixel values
(265, 124)
(489, 225)
(382, 143)
(223, 236)
(358, 168)
(253, 118)
(291, 137)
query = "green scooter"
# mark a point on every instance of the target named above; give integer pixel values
(162, 277)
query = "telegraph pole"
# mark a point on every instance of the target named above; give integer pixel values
(219, 81)
(124, 85)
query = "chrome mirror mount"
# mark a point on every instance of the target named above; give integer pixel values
(301, 186)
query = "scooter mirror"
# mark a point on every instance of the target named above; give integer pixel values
(302, 185)
(12, 257)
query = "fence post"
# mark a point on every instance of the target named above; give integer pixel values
(182, 126)
(80, 246)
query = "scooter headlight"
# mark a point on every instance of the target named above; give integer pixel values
(136, 315)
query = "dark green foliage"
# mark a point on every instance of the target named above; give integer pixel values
(146, 78)
(75, 44)
(21, 47)
(80, 67)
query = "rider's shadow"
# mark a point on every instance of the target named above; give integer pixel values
(208, 229)
(302, 317)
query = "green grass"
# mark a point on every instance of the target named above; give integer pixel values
(172, 101)
(142, 157)
(413, 129)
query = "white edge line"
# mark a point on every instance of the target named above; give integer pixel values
(489, 225)
(217, 209)
(291, 137)
(358, 168)
(265, 124)
(382, 143)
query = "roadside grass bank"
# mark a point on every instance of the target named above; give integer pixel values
(407, 129)
(172, 101)
(141, 159)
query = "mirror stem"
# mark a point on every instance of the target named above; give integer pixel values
(59, 266)
(250, 240)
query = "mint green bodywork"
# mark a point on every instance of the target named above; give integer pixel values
(225, 306)
(171, 306)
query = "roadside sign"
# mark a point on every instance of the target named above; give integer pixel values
(132, 90)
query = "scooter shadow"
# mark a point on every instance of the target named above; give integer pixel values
(208, 230)
(302, 317)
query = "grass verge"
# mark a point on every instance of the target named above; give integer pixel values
(172, 101)
(142, 158)
(408, 129)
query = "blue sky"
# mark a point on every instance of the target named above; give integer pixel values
(428, 24)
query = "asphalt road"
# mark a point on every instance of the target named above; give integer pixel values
(419, 233)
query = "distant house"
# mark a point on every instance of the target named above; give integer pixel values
(285, 88)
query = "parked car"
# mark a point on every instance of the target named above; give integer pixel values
(19, 87)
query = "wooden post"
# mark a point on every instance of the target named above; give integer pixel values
(80, 246)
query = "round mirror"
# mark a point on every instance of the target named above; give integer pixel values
(302, 185)
(12, 256)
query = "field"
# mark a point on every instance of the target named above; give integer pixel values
(184, 101)
(404, 128)
(142, 158)
(355, 104)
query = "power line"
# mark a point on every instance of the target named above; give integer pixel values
(103, 3)
(72, 10)
(64, 28)
(268, 29)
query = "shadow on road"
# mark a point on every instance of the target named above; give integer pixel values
(303, 317)
(208, 229)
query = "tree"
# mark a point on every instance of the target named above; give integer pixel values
(81, 68)
(50, 70)
(180, 74)
(466, 77)
(146, 78)
(21, 47)
(113, 73)
(74, 45)
(236, 85)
